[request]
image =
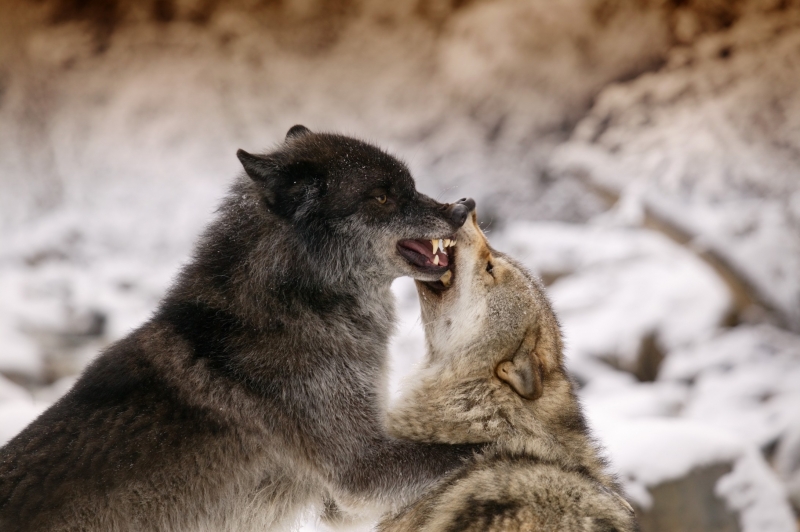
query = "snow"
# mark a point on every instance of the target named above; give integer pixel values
(15, 416)
(407, 349)
(12, 392)
(614, 286)
(753, 490)
(744, 380)
(700, 147)
(17, 409)
(647, 452)
(787, 461)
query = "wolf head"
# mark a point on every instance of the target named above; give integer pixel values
(490, 315)
(353, 206)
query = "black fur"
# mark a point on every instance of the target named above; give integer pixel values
(256, 384)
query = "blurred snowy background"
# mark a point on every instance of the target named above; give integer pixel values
(642, 156)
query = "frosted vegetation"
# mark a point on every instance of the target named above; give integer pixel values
(642, 157)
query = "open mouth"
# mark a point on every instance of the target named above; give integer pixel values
(431, 256)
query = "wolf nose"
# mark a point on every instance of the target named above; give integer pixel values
(458, 211)
(469, 203)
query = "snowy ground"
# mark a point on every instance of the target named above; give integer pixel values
(111, 164)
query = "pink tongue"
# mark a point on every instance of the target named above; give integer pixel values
(423, 247)
(420, 247)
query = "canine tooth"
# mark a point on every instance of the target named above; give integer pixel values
(435, 244)
(436, 260)
(445, 279)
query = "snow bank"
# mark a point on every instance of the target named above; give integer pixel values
(744, 380)
(710, 143)
(753, 491)
(614, 287)
(650, 452)
(787, 461)
(17, 409)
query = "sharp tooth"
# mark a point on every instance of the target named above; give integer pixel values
(453, 242)
(436, 260)
(445, 279)
(435, 244)
(441, 246)
(447, 242)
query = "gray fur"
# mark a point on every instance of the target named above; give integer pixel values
(495, 374)
(257, 387)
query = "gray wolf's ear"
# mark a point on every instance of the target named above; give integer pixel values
(523, 372)
(297, 131)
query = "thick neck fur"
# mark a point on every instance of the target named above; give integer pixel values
(453, 405)
(255, 277)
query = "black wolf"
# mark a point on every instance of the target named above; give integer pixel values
(256, 389)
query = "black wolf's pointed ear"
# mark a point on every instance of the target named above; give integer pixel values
(297, 131)
(258, 168)
(284, 185)
(263, 171)
(523, 372)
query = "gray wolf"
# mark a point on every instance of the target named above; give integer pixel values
(495, 373)
(257, 387)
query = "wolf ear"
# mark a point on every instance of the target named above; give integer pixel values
(262, 170)
(284, 186)
(257, 167)
(297, 131)
(523, 372)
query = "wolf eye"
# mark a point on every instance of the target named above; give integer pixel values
(381, 199)
(489, 268)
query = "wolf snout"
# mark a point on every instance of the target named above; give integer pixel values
(458, 211)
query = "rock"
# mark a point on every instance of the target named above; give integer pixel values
(689, 503)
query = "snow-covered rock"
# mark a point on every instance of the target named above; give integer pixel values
(787, 461)
(620, 292)
(746, 380)
(687, 476)
(710, 144)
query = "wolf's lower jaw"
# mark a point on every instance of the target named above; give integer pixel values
(441, 284)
